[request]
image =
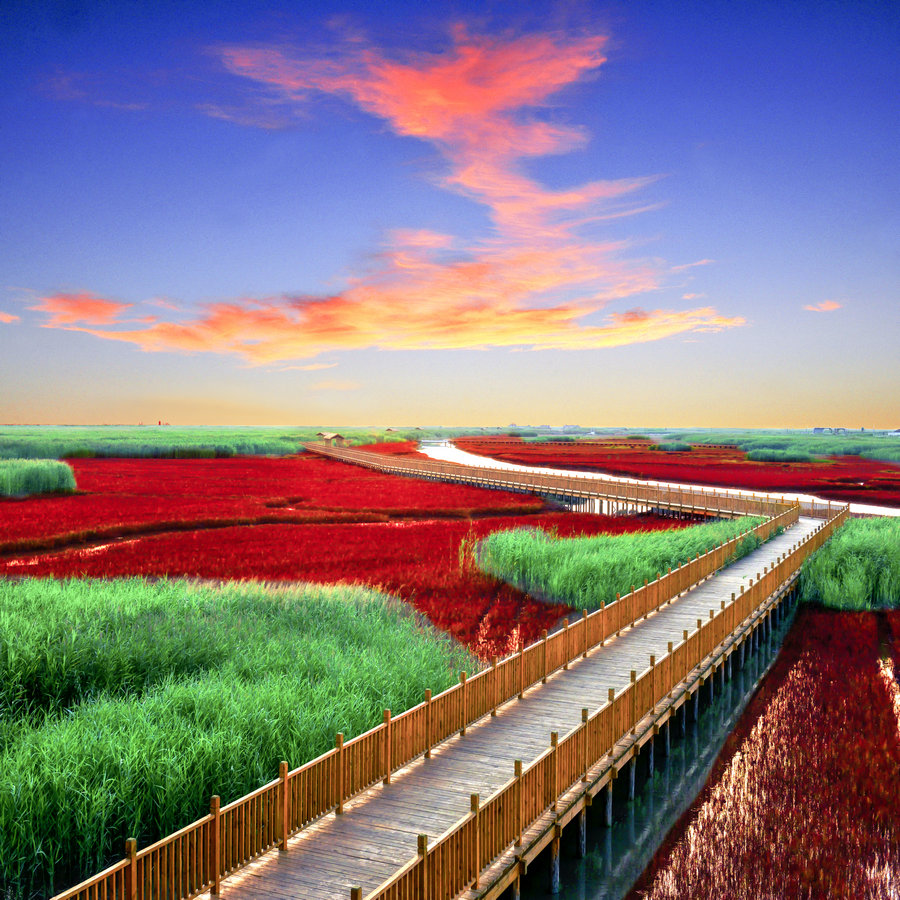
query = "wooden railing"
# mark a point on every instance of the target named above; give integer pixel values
(616, 490)
(196, 858)
(453, 862)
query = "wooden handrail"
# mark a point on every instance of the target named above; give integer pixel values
(502, 831)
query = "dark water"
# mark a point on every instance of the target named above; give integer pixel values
(617, 856)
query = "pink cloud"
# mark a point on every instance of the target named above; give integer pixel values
(71, 309)
(824, 306)
(8, 317)
(533, 281)
(699, 262)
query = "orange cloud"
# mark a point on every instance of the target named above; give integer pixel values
(469, 307)
(533, 281)
(824, 306)
(70, 309)
(8, 317)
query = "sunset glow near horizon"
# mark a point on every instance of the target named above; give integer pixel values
(606, 214)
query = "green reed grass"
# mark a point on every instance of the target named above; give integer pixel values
(126, 704)
(786, 456)
(673, 447)
(868, 446)
(859, 568)
(58, 441)
(21, 477)
(585, 571)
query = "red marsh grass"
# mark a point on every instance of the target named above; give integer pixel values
(842, 478)
(804, 800)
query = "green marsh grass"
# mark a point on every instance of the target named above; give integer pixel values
(858, 569)
(867, 446)
(785, 456)
(21, 477)
(673, 447)
(155, 441)
(586, 571)
(127, 704)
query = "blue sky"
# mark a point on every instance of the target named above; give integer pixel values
(641, 213)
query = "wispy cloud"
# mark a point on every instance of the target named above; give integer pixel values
(312, 367)
(537, 279)
(692, 265)
(335, 386)
(83, 87)
(7, 318)
(692, 296)
(824, 306)
(80, 309)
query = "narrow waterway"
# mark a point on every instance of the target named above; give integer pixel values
(447, 452)
(617, 856)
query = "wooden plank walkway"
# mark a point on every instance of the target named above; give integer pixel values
(377, 833)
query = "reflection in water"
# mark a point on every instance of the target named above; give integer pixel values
(617, 856)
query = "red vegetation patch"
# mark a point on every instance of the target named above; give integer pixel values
(843, 478)
(126, 492)
(804, 800)
(419, 560)
(302, 518)
(394, 448)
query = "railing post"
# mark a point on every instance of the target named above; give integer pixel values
(544, 639)
(465, 704)
(476, 838)
(215, 858)
(339, 746)
(520, 810)
(566, 639)
(284, 797)
(602, 622)
(422, 848)
(584, 746)
(584, 621)
(521, 671)
(428, 723)
(554, 768)
(131, 870)
(356, 893)
(387, 747)
(633, 701)
(495, 681)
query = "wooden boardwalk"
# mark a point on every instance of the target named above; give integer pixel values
(378, 831)
(455, 796)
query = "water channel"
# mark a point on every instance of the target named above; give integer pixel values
(617, 856)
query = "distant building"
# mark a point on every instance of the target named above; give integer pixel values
(333, 438)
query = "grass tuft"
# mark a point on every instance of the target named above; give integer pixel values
(127, 704)
(22, 477)
(858, 569)
(585, 571)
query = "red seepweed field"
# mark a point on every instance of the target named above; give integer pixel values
(804, 800)
(843, 478)
(297, 518)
